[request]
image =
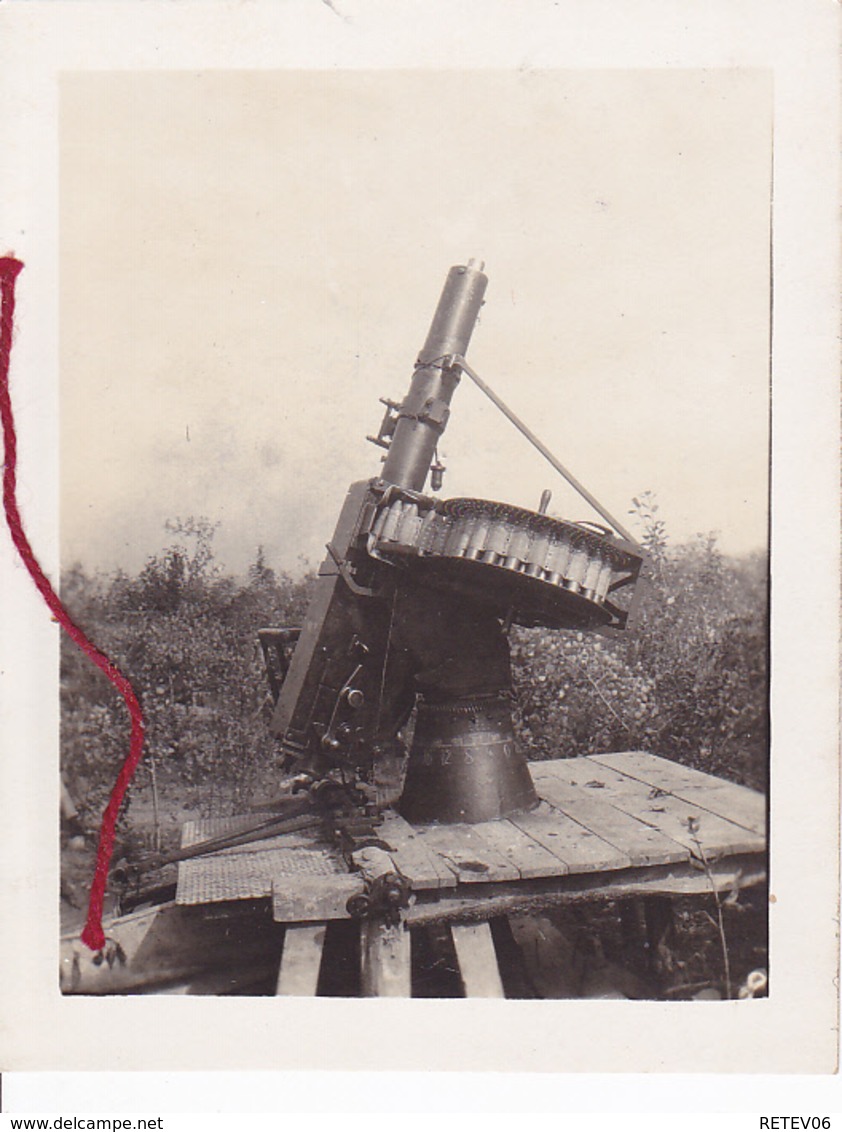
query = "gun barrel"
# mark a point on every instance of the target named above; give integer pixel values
(425, 409)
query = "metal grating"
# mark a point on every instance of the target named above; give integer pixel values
(245, 872)
(194, 831)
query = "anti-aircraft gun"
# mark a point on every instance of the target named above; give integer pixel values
(414, 600)
(405, 645)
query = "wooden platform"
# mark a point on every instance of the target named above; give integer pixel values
(624, 821)
(614, 826)
(611, 827)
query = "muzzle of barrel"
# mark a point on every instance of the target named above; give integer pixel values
(423, 414)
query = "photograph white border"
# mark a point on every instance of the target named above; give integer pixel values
(795, 1029)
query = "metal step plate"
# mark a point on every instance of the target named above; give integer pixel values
(246, 872)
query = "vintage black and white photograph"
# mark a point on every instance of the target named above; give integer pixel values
(424, 418)
(415, 470)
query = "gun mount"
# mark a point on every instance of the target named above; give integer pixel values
(414, 600)
(404, 651)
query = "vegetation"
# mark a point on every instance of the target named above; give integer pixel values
(691, 685)
(186, 638)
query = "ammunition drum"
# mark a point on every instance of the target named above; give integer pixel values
(535, 569)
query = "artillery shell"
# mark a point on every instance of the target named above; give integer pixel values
(604, 581)
(537, 555)
(477, 537)
(409, 526)
(575, 573)
(390, 526)
(592, 576)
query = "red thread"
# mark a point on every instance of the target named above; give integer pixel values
(92, 935)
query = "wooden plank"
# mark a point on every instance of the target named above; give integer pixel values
(301, 960)
(738, 804)
(297, 899)
(165, 945)
(79, 974)
(534, 896)
(715, 836)
(421, 867)
(529, 858)
(579, 849)
(385, 960)
(478, 968)
(641, 843)
(471, 858)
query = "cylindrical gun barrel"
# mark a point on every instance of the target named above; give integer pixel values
(456, 313)
(424, 411)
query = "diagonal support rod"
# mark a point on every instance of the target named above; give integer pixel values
(457, 361)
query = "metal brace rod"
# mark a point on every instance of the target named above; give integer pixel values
(458, 361)
(273, 827)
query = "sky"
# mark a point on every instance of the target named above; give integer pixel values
(250, 259)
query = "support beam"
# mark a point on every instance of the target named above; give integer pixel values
(385, 960)
(477, 960)
(301, 960)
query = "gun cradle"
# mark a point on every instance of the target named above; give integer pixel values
(413, 604)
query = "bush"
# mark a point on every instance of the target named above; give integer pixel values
(691, 684)
(186, 638)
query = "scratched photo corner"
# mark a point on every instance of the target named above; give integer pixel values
(414, 470)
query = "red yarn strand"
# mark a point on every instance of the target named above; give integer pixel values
(92, 935)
